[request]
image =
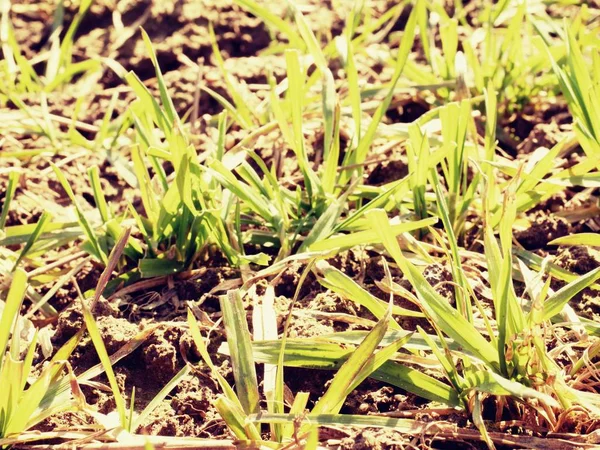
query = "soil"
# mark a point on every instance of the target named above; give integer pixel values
(581, 260)
(543, 229)
(180, 33)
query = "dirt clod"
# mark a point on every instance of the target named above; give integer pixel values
(544, 228)
(160, 354)
(440, 278)
(578, 259)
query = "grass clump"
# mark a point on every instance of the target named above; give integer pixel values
(498, 335)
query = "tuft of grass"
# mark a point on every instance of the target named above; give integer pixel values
(29, 397)
(19, 76)
(483, 342)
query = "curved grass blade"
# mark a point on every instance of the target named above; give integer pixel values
(555, 302)
(447, 318)
(492, 383)
(320, 353)
(33, 237)
(339, 282)
(201, 346)
(273, 21)
(368, 237)
(591, 239)
(165, 98)
(356, 368)
(158, 398)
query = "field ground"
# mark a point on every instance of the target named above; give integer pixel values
(401, 198)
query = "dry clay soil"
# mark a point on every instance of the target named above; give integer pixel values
(179, 31)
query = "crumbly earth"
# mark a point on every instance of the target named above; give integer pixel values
(181, 37)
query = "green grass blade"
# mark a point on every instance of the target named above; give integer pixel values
(149, 198)
(377, 360)
(243, 191)
(338, 282)
(165, 98)
(323, 227)
(240, 348)
(96, 338)
(11, 51)
(81, 216)
(155, 267)
(369, 237)
(330, 164)
(70, 72)
(201, 346)
(148, 103)
(298, 407)
(241, 104)
(329, 104)
(509, 315)
(18, 286)
(495, 384)
(541, 168)
(33, 237)
(273, 20)
(447, 318)
(321, 353)
(353, 371)
(13, 179)
(19, 234)
(158, 398)
(354, 93)
(66, 47)
(391, 189)
(462, 299)
(295, 97)
(27, 404)
(419, 162)
(328, 93)
(236, 419)
(227, 106)
(591, 239)
(555, 302)
(359, 155)
(445, 360)
(222, 127)
(94, 174)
